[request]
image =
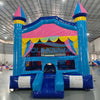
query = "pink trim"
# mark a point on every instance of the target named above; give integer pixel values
(82, 9)
(31, 45)
(69, 47)
(18, 12)
(49, 30)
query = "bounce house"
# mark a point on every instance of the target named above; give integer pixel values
(51, 54)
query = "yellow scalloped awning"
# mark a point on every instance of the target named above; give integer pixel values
(23, 48)
(53, 39)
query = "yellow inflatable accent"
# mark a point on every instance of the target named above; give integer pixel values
(44, 41)
(25, 40)
(19, 22)
(34, 40)
(63, 38)
(23, 48)
(76, 46)
(79, 18)
(73, 38)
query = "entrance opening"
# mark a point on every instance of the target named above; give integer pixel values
(49, 68)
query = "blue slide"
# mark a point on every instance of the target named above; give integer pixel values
(48, 88)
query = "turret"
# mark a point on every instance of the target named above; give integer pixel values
(19, 16)
(19, 20)
(79, 13)
(79, 17)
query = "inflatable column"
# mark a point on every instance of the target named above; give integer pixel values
(79, 17)
(19, 20)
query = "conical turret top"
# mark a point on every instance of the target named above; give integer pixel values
(79, 11)
(19, 14)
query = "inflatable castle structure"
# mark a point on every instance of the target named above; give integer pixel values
(51, 54)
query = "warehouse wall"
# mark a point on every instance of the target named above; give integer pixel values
(94, 49)
(6, 53)
(8, 58)
(8, 48)
(1, 59)
(1, 48)
(1, 53)
(96, 44)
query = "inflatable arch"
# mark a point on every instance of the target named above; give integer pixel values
(51, 54)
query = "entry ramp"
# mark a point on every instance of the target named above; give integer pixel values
(50, 85)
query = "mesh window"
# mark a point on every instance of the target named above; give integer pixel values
(66, 64)
(33, 65)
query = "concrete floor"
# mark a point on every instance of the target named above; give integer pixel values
(5, 94)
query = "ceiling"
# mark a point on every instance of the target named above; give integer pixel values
(37, 8)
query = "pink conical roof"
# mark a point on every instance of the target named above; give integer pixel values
(18, 12)
(82, 8)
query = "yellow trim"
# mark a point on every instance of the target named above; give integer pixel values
(23, 48)
(34, 40)
(19, 22)
(80, 18)
(62, 38)
(73, 38)
(25, 40)
(76, 46)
